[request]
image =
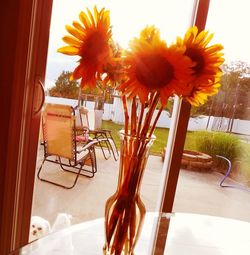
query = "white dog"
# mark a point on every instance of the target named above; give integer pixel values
(39, 227)
(60, 243)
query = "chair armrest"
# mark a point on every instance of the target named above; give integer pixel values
(80, 128)
(106, 130)
(87, 146)
(100, 131)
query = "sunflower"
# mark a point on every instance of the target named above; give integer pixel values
(151, 67)
(89, 39)
(199, 94)
(206, 71)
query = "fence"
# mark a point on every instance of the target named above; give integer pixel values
(115, 113)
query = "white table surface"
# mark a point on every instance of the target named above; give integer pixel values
(188, 234)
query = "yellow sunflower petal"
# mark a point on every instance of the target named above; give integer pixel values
(105, 16)
(75, 32)
(84, 19)
(214, 48)
(150, 34)
(71, 41)
(78, 26)
(91, 17)
(207, 40)
(96, 14)
(191, 34)
(69, 50)
(201, 38)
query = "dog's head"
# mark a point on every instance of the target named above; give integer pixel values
(39, 227)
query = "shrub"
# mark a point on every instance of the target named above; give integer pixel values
(244, 164)
(218, 143)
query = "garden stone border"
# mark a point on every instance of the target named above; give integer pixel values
(195, 160)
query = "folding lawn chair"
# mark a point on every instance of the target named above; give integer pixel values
(103, 136)
(74, 153)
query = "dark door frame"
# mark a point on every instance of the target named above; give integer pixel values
(25, 29)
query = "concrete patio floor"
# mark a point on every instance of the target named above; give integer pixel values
(196, 192)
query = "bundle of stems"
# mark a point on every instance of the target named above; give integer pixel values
(122, 227)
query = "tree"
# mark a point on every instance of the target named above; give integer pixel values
(64, 87)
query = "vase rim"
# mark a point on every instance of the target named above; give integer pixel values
(122, 132)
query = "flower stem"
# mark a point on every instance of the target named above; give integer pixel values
(126, 116)
(155, 121)
(140, 119)
(133, 118)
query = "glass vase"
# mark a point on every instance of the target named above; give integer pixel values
(124, 210)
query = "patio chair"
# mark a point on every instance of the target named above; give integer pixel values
(103, 136)
(74, 153)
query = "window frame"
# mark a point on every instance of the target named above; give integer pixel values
(26, 27)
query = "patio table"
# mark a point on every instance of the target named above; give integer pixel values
(192, 234)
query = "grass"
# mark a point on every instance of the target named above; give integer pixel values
(219, 143)
(243, 161)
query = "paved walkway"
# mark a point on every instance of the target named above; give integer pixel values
(196, 193)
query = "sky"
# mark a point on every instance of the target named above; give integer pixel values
(228, 19)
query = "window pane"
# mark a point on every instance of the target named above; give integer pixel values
(224, 120)
(87, 199)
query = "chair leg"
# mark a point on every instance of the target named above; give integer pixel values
(113, 147)
(111, 137)
(40, 168)
(102, 147)
(93, 160)
(106, 137)
(115, 153)
(56, 183)
(91, 175)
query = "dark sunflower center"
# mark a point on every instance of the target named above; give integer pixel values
(196, 57)
(94, 47)
(154, 71)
